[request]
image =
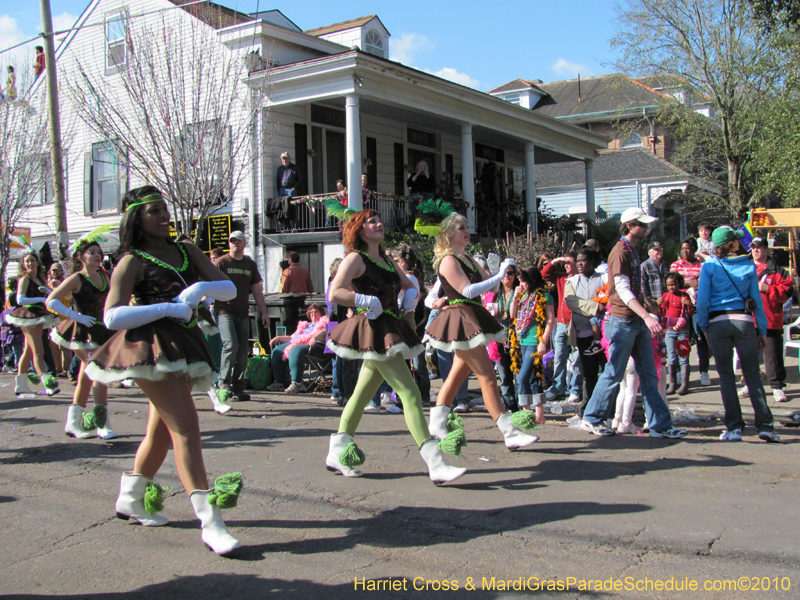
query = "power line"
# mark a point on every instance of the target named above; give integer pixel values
(89, 25)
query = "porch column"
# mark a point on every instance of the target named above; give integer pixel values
(353, 150)
(589, 175)
(530, 188)
(468, 173)
(647, 205)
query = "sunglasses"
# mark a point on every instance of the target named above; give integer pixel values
(638, 224)
(511, 273)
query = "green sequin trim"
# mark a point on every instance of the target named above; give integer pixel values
(389, 312)
(99, 288)
(387, 267)
(467, 300)
(164, 265)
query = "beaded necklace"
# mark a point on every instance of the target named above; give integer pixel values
(99, 288)
(636, 282)
(504, 303)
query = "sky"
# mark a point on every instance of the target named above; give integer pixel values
(479, 44)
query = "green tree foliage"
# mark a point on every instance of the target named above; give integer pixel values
(721, 63)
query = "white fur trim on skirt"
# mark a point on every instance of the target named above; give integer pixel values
(200, 373)
(481, 339)
(71, 345)
(402, 348)
(48, 321)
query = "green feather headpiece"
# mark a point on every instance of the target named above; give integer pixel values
(100, 236)
(430, 214)
(338, 210)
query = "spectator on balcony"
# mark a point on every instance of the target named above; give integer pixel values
(421, 183)
(39, 62)
(10, 93)
(296, 279)
(287, 178)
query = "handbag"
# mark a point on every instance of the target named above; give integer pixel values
(259, 369)
(750, 305)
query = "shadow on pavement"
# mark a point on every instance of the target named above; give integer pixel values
(420, 526)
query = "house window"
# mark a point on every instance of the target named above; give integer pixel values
(41, 188)
(373, 43)
(205, 146)
(513, 98)
(105, 178)
(116, 54)
(634, 140)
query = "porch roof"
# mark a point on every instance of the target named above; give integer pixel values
(392, 90)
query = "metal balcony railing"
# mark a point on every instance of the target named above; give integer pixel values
(307, 213)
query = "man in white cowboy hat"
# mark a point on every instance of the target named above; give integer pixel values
(629, 331)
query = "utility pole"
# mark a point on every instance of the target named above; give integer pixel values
(55, 129)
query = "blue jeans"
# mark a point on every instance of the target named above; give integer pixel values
(527, 383)
(445, 364)
(724, 337)
(235, 332)
(703, 351)
(344, 376)
(629, 338)
(562, 382)
(422, 376)
(670, 338)
(285, 192)
(507, 391)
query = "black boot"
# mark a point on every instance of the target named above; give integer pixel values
(672, 379)
(684, 389)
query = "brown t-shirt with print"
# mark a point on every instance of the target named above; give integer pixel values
(620, 262)
(244, 274)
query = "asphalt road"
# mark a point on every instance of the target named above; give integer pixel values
(627, 511)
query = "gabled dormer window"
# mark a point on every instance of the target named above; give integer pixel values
(373, 43)
(634, 140)
(116, 48)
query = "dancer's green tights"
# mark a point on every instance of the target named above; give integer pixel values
(396, 373)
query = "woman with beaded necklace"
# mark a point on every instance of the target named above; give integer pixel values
(161, 347)
(371, 281)
(84, 331)
(466, 327)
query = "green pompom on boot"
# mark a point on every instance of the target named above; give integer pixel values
(524, 419)
(453, 442)
(352, 456)
(153, 498)
(50, 384)
(34, 379)
(100, 413)
(88, 421)
(454, 423)
(226, 490)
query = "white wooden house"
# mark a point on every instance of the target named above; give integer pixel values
(339, 107)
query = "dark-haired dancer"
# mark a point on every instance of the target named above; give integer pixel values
(380, 337)
(82, 332)
(466, 327)
(32, 317)
(163, 350)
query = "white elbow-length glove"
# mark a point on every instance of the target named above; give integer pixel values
(409, 301)
(219, 290)
(371, 303)
(25, 300)
(57, 306)
(129, 317)
(476, 289)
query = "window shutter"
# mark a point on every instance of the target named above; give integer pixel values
(87, 182)
(122, 175)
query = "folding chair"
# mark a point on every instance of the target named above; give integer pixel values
(320, 367)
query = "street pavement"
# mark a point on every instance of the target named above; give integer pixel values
(626, 511)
